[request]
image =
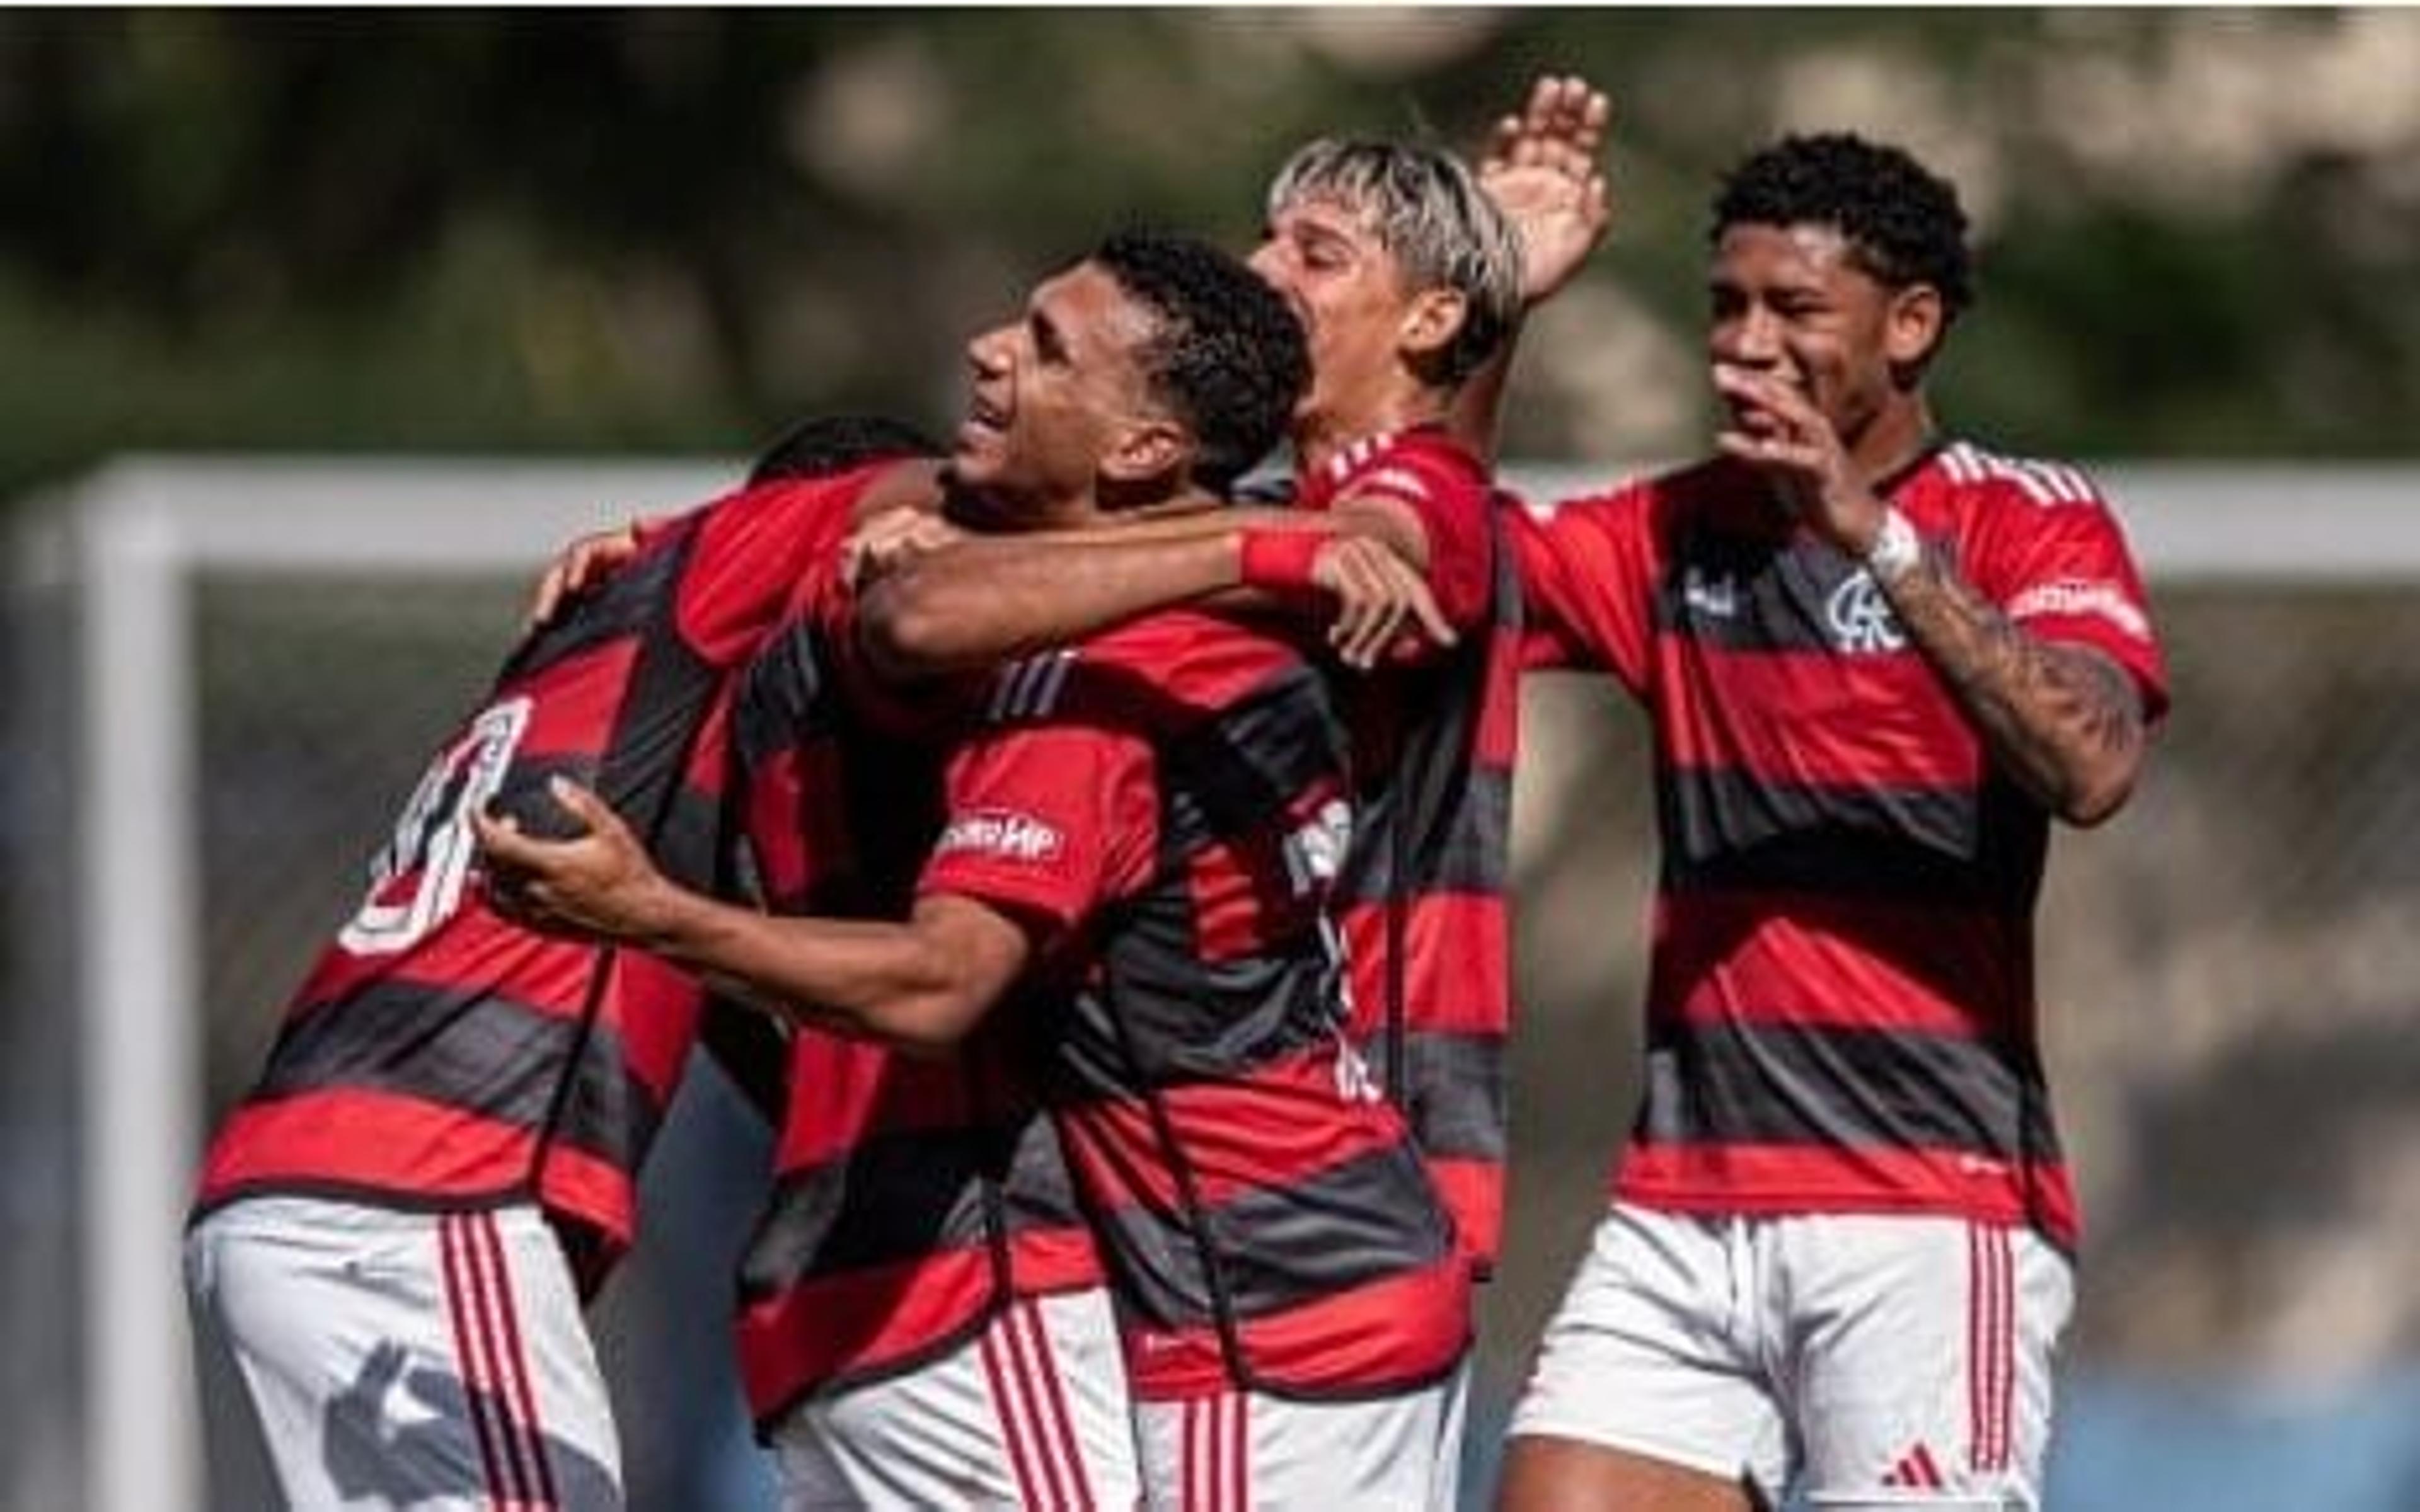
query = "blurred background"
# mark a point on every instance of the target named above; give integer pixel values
(600, 257)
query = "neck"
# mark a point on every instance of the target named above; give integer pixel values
(1322, 430)
(1893, 438)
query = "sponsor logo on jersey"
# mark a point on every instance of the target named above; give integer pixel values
(1009, 836)
(2098, 597)
(1716, 598)
(1860, 618)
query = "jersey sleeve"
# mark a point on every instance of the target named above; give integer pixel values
(1587, 576)
(1449, 497)
(1048, 815)
(2062, 571)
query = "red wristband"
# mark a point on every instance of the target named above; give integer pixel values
(1280, 560)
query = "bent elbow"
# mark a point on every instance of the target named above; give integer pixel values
(2095, 799)
(929, 1026)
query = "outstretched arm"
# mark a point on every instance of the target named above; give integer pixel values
(986, 599)
(919, 986)
(2064, 720)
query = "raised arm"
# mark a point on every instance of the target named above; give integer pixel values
(1543, 168)
(919, 985)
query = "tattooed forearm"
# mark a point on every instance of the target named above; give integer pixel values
(2064, 720)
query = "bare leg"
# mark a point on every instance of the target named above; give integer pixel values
(1549, 1474)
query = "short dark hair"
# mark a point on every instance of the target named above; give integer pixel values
(1230, 359)
(822, 445)
(1902, 221)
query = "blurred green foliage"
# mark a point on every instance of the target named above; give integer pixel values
(673, 229)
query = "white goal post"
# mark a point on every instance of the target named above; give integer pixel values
(129, 542)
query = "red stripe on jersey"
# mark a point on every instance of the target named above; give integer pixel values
(1772, 718)
(1045, 1261)
(1289, 1122)
(1740, 1178)
(1400, 1333)
(858, 1322)
(1473, 1189)
(1799, 958)
(1443, 933)
(861, 1090)
(574, 699)
(350, 1138)
(475, 948)
(1234, 916)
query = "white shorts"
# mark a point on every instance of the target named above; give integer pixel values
(1855, 1360)
(1032, 1412)
(1249, 1452)
(428, 1360)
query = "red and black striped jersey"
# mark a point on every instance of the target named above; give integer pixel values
(438, 1057)
(912, 1199)
(1165, 806)
(1840, 997)
(1422, 898)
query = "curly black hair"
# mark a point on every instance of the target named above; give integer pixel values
(822, 445)
(1902, 222)
(1230, 358)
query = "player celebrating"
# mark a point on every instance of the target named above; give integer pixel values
(1410, 280)
(394, 1231)
(1877, 665)
(1138, 850)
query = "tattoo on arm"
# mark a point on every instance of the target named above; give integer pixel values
(2064, 720)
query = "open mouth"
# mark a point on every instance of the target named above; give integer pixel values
(985, 414)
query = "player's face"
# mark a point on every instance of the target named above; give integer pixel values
(1791, 302)
(1349, 293)
(1052, 392)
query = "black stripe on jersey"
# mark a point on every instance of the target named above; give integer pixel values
(1179, 1020)
(1372, 1219)
(893, 1198)
(474, 1052)
(781, 699)
(688, 838)
(646, 760)
(1466, 851)
(524, 797)
(1744, 1082)
(1232, 774)
(631, 602)
(1453, 1093)
(1729, 829)
(902, 1196)
(1758, 593)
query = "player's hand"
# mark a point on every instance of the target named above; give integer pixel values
(891, 540)
(1541, 170)
(580, 567)
(1774, 427)
(599, 885)
(1382, 601)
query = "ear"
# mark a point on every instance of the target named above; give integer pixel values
(1434, 318)
(1147, 449)
(1913, 325)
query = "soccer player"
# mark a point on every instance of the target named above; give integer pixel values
(1410, 280)
(394, 1231)
(1139, 841)
(1878, 662)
